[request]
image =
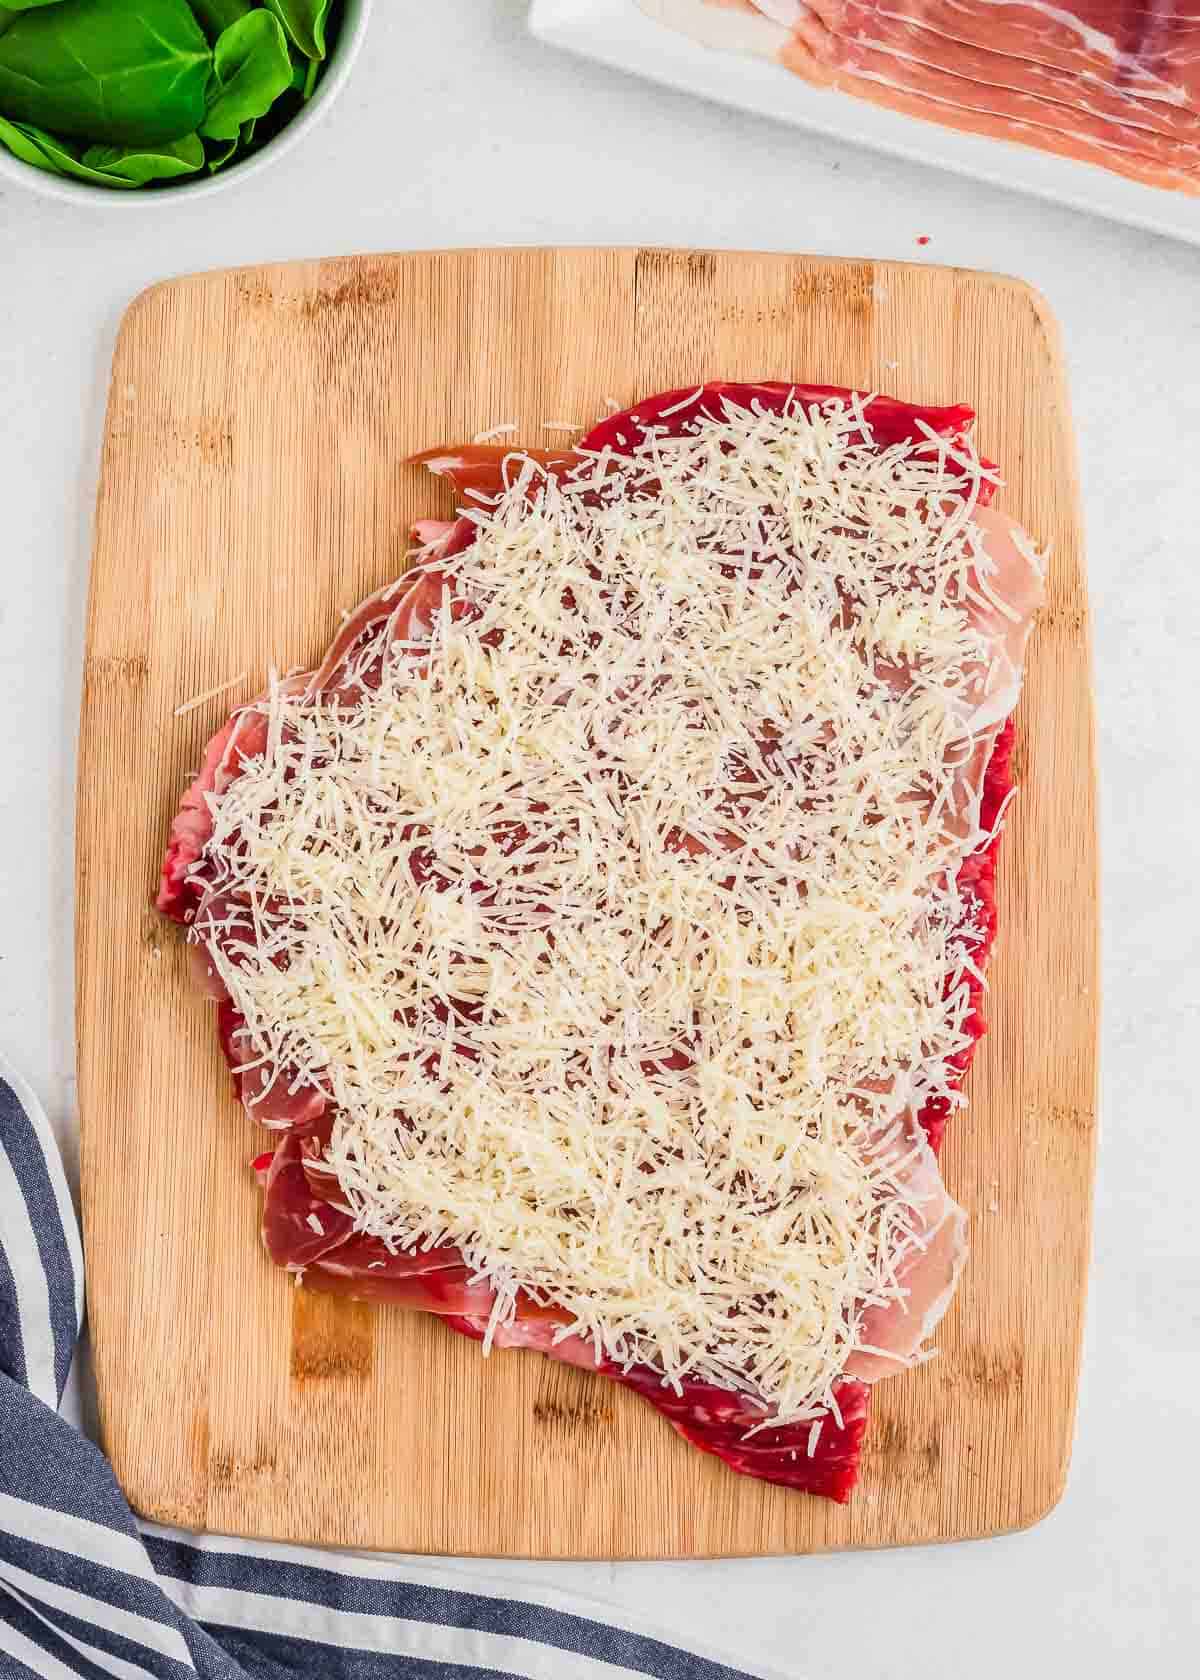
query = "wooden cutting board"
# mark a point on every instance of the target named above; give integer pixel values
(251, 488)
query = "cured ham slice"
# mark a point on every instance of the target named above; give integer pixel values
(265, 943)
(1114, 83)
(1019, 61)
(299, 1227)
(477, 468)
(968, 88)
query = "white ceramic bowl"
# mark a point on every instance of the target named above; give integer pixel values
(355, 14)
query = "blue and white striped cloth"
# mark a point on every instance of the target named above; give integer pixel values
(88, 1591)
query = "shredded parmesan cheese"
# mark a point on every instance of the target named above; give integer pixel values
(210, 694)
(617, 915)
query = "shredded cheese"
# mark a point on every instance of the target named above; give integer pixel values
(198, 700)
(617, 915)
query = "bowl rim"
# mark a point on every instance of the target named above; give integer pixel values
(356, 15)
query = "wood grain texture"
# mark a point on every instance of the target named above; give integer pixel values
(251, 488)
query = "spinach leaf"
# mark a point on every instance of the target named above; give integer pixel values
(251, 68)
(9, 11)
(57, 157)
(287, 107)
(220, 152)
(31, 145)
(106, 71)
(139, 164)
(215, 16)
(306, 73)
(217, 153)
(11, 7)
(104, 166)
(305, 22)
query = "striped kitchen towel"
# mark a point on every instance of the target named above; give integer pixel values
(87, 1590)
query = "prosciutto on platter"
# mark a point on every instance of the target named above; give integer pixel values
(1114, 83)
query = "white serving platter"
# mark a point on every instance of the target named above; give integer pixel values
(622, 34)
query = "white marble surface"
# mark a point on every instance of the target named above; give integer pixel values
(457, 130)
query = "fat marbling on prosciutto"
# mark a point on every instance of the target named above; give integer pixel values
(599, 931)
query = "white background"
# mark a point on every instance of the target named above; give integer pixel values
(458, 130)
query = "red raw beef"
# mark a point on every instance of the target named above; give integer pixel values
(717, 1420)
(479, 469)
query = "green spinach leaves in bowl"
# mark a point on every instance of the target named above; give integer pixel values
(135, 93)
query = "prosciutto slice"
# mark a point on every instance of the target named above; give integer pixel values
(1113, 83)
(308, 1227)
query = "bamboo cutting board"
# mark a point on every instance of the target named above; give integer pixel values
(250, 489)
